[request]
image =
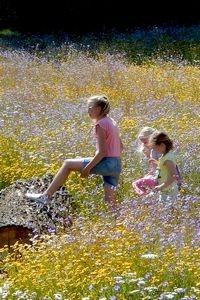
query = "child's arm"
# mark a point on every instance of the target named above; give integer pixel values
(99, 154)
(171, 175)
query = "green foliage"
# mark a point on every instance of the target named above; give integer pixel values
(137, 46)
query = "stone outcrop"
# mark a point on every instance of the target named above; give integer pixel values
(21, 218)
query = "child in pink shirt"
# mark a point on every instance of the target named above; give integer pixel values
(106, 160)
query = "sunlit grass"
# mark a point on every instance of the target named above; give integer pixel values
(152, 250)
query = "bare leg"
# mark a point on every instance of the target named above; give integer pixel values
(110, 197)
(62, 175)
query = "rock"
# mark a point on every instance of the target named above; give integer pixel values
(11, 234)
(20, 217)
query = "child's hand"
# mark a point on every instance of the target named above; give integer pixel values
(85, 172)
(158, 187)
(153, 161)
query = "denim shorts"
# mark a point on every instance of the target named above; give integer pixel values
(109, 167)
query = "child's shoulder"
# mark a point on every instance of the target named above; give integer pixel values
(169, 156)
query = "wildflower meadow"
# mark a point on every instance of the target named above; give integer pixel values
(151, 251)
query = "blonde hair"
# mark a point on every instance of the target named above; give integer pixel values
(144, 133)
(102, 101)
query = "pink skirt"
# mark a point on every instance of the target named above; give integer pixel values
(144, 185)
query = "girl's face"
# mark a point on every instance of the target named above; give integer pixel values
(93, 110)
(144, 141)
(160, 148)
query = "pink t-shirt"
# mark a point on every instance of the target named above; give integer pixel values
(113, 144)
